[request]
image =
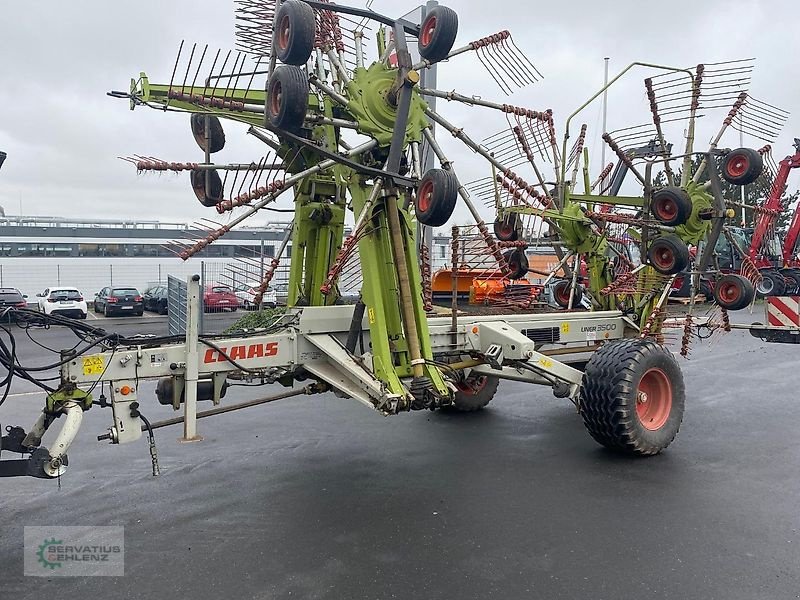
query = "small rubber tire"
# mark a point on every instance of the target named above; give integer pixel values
(561, 291)
(779, 288)
(295, 33)
(668, 254)
(614, 409)
(287, 98)
(742, 166)
(508, 228)
(517, 263)
(216, 135)
(106, 312)
(671, 206)
(198, 180)
(733, 292)
(474, 393)
(437, 194)
(437, 34)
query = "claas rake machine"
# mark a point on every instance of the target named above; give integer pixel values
(349, 136)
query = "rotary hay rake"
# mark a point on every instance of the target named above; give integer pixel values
(348, 135)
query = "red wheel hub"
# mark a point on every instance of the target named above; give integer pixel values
(666, 209)
(472, 386)
(276, 98)
(424, 196)
(654, 399)
(284, 32)
(738, 165)
(729, 292)
(664, 258)
(428, 29)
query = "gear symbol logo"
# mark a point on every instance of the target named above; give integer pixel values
(45, 558)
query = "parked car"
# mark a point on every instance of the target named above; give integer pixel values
(246, 295)
(155, 299)
(62, 300)
(11, 298)
(217, 298)
(119, 301)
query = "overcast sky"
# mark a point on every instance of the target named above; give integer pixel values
(63, 134)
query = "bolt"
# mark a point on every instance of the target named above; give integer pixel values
(641, 397)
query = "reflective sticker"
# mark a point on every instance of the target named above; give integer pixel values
(564, 327)
(93, 365)
(371, 313)
(546, 363)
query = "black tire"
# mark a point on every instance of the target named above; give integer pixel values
(733, 292)
(792, 277)
(772, 284)
(216, 135)
(671, 206)
(742, 166)
(615, 413)
(437, 194)
(198, 179)
(94, 307)
(84, 315)
(474, 393)
(140, 313)
(162, 310)
(507, 229)
(706, 290)
(561, 291)
(106, 312)
(287, 98)
(295, 31)
(437, 34)
(668, 254)
(517, 263)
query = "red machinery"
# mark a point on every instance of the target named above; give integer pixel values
(779, 265)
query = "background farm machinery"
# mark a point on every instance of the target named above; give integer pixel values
(349, 136)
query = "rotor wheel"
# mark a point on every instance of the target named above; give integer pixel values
(742, 166)
(507, 229)
(436, 198)
(517, 263)
(671, 206)
(295, 32)
(474, 393)
(216, 135)
(561, 293)
(287, 98)
(198, 179)
(633, 397)
(668, 254)
(733, 292)
(437, 34)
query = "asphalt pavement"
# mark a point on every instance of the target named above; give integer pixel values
(319, 497)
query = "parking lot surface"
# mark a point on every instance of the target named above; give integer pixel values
(319, 497)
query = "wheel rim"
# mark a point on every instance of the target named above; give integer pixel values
(562, 294)
(766, 285)
(654, 399)
(285, 32)
(737, 165)
(276, 98)
(664, 258)
(472, 386)
(729, 292)
(424, 196)
(429, 28)
(666, 209)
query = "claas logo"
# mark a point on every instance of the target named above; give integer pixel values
(241, 352)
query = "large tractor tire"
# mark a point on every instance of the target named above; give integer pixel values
(474, 393)
(633, 396)
(772, 284)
